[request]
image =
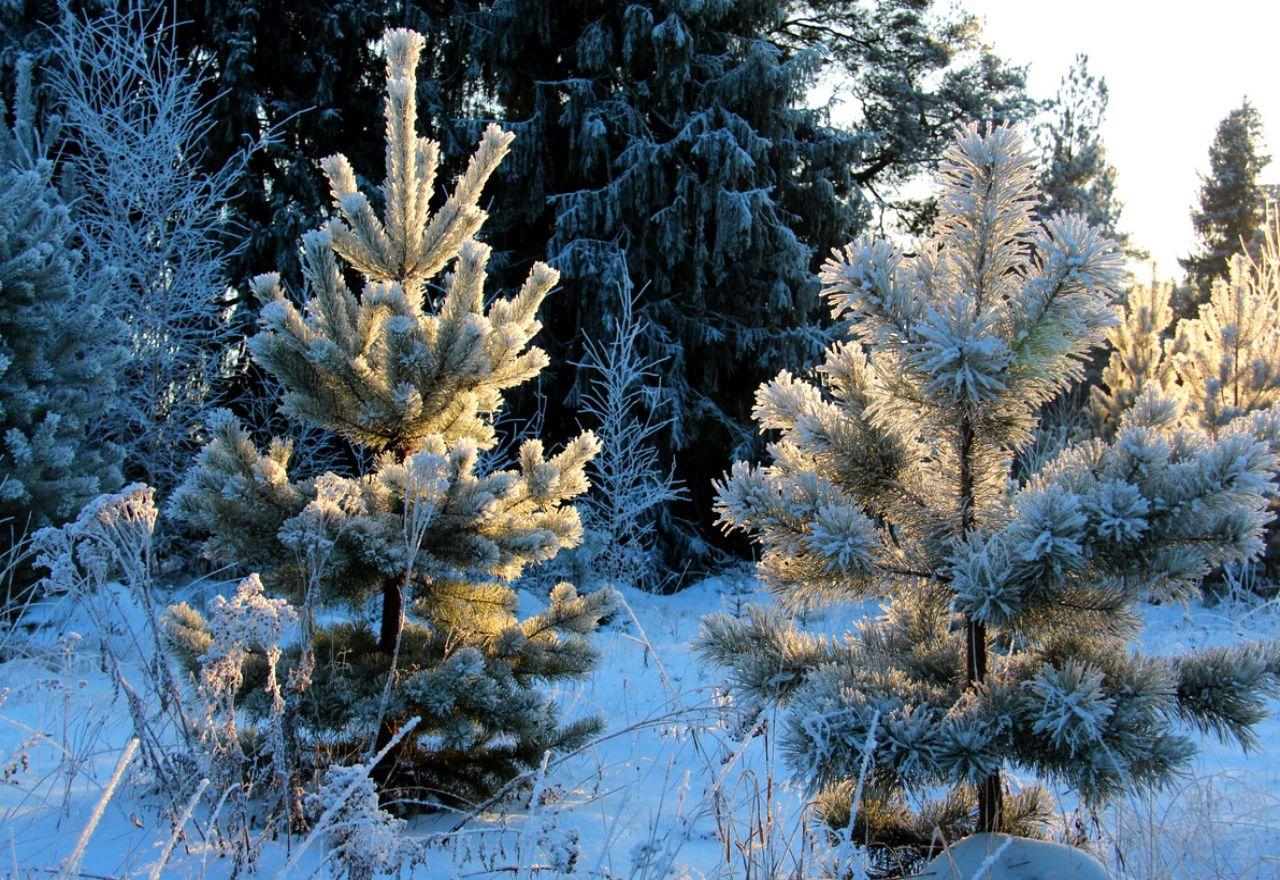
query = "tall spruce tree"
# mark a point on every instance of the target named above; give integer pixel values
(304, 72)
(412, 370)
(1075, 176)
(1232, 204)
(664, 147)
(670, 140)
(59, 347)
(1008, 635)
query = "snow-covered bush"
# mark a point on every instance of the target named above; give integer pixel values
(153, 221)
(247, 624)
(413, 373)
(59, 349)
(1007, 640)
(631, 487)
(364, 839)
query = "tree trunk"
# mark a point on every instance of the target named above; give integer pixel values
(392, 615)
(388, 634)
(990, 788)
(393, 590)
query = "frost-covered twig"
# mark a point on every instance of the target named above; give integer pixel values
(178, 825)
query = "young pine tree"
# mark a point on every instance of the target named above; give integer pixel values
(1007, 638)
(414, 373)
(1227, 358)
(59, 348)
(1232, 204)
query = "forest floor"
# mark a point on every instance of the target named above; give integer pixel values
(671, 788)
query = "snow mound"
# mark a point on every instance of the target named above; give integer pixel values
(1002, 857)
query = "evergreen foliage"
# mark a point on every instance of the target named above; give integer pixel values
(1076, 177)
(1007, 638)
(304, 72)
(671, 142)
(59, 349)
(1227, 358)
(25, 33)
(669, 138)
(665, 147)
(1223, 363)
(1137, 356)
(1232, 204)
(413, 371)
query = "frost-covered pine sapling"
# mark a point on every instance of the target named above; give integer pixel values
(1227, 358)
(1007, 637)
(1224, 363)
(414, 374)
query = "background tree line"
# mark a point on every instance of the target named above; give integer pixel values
(668, 152)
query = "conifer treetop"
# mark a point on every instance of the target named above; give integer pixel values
(988, 321)
(383, 368)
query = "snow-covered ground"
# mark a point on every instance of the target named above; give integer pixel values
(671, 789)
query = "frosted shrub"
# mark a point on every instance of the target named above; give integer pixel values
(247, 623)
(112, 538)
(364, 839)
(153, 220)
(104, 562)
(1137, 355)
(632, 488)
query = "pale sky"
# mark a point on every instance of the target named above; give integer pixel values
(1174, 69)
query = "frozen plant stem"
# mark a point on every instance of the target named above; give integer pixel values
(290, 868)
(177, 830)
(71, 866)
